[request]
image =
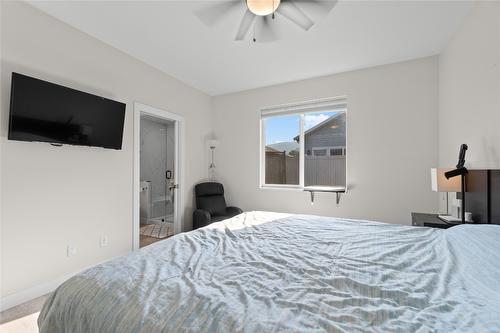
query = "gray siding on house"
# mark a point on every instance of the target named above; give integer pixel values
(331, 134)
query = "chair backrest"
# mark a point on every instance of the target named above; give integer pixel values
(210, 197)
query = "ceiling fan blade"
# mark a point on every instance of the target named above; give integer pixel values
(265, 29)
(209, 15)
(316, 9)
(246, 23)
(289, 10)
(325, 5)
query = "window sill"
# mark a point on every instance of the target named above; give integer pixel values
(338, 190)
(333, 189)
(282, 187)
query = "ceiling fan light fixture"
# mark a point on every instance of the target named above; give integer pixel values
(263, 7)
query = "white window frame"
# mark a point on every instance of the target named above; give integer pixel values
(300, 108)
(314, 149)
(328, 149)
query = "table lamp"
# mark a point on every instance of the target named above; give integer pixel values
(440, 183)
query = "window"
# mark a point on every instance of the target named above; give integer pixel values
(319, 152)
(336, 152)
(281, 154)
(327, 151)
(304, 144)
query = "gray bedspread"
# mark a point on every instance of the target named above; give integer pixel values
(270, 272)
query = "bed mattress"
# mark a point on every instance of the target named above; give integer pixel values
(272, 272)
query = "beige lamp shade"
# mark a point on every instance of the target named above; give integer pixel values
(441, 184)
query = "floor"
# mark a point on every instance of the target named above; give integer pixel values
(22, 318)
(148, 240)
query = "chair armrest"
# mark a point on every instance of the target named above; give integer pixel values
(233, 211)
(201, 218)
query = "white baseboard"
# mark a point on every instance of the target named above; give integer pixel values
(26, 295)
(29, 294)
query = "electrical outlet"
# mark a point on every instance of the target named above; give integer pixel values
(104, 240)
(71, 251)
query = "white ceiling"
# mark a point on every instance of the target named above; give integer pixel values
(355, 34)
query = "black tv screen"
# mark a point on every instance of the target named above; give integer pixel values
(47, 112)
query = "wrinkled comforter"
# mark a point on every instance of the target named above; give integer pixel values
(271, 272)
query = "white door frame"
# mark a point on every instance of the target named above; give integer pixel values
(142, 109)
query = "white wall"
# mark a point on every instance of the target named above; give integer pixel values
(53, 196)
(391, 140)
(469, 90)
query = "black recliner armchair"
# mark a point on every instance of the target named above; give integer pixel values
(211, 205)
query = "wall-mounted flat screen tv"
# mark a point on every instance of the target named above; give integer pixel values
(47, 112)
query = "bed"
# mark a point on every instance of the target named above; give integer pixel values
(272, 272)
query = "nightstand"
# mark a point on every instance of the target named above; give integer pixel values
(429, 220)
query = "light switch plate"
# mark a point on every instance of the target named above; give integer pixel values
(104, 240)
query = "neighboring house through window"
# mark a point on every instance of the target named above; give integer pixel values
(326, 151)
(338, 151)
(319, 151)
(304, 144)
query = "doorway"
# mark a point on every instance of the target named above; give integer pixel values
(157, 175)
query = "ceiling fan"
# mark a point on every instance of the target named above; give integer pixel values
(263, 15)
